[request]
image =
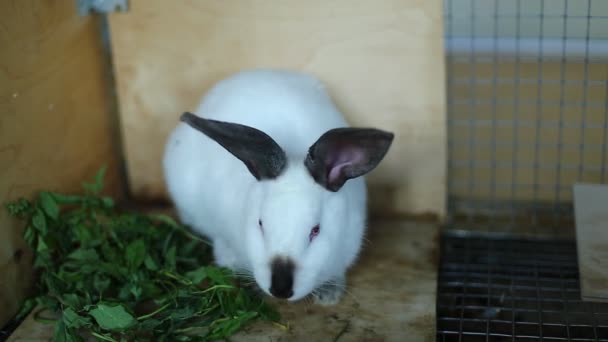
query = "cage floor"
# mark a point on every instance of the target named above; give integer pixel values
(492, 289)
(390, 296)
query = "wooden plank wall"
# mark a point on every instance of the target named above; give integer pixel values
(56, 127)
(383, 62)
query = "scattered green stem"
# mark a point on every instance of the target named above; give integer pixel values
(100, 268)
(151, 314)
(103, 337)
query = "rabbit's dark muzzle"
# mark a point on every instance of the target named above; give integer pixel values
(282, 278)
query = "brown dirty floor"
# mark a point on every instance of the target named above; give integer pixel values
(391, 295)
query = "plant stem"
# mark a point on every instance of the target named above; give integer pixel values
(146, 316)
(103, 337)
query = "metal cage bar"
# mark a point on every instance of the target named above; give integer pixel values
(514, 290)
(527, 89)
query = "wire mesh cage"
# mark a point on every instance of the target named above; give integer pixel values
(527, 118)
(527, 110)
(514, 289)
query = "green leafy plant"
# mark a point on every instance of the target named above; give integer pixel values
(120, 276)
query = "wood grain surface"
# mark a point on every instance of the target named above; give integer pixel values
(383, 62)
(56, 123)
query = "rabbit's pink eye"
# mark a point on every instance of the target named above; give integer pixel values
(314, 232)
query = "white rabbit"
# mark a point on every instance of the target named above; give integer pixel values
(269, 171)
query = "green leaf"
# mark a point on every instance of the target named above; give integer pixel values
(26, 308)
(60, 334)
(150, 290)
(150, 324)
(30, 235)
(124, 293)
(197, 275)
(48, 204)
(97, 266)
(165, 219)
(150, 263)
(19, 208)
(73, 320)
(39, 222)
(183, 313)
(112, 317)
(62, 199)
(41, 247)
(97, 185)
(99, 177)
(107, 202)
(136, 291)
(83, 234)
(48, 302)
(217, 275)
(135, 254)
(170, 261)
(84, 254)
(101, 284)
(72, 300)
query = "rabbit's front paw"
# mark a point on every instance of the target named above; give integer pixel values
(330, 293)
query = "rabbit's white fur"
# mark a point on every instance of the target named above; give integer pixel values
(217, 196)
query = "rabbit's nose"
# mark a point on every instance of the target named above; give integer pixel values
(282, 278)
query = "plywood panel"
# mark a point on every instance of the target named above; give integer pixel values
(392, 292)
(55, 124)
(382, 61)
(591, 211)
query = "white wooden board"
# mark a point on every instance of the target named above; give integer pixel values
(591, 211)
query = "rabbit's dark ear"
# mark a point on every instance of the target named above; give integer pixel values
(264, 158)
(345, 153)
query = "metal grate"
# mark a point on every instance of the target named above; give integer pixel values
(527, 111)
(527, 118)
(514, 290)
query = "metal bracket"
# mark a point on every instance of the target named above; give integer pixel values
(85, 7)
